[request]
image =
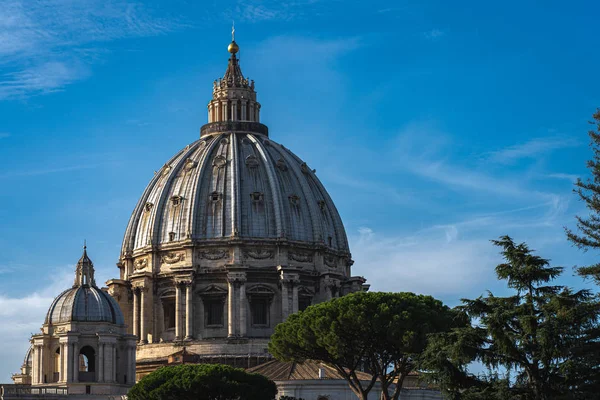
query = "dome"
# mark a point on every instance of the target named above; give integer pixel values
(84, 302)
(235, 184)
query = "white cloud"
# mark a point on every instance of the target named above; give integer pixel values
(434, 34)
(47, 44)
(569, 177)
(49, 77)
(437, 262)
(22, 316)
(531, 149)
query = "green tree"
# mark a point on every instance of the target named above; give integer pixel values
(547, 336)
(202, 382)
(381, 332)
(588, 235)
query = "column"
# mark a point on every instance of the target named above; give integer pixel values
(33, 364)
(251, 116)
(243, 323)
(128, 381)
(41, 364)
(101, 362)
(132, 364)
(189, 313)
(294, 297)
(285, 299)
(75, 364)
(67, 362)
(177, 311)
(244, 116)
(234, 116)
(230, 309)
(113, 376)
(136, 312)
(224, 109)
(143, 314)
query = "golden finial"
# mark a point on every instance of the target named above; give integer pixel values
(233, 47)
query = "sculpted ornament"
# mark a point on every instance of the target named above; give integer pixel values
(219, 161)
(251, 161)
(300, 257)
(141, 263)
(259, 254)
(172, 258)
(213, 254)
(330, 261)
(190, 164)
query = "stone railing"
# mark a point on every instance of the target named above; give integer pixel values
(24, 391)
(234, 126)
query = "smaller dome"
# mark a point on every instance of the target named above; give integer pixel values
(84, 302)
(233, 47)
(27, 360)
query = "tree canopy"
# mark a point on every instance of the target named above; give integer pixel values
(202, 382)
(383, 333)
(587, 236)
(540, 343)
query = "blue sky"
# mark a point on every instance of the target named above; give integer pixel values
(434, 125)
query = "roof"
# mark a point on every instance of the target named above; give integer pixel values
(235, 184)
(294, 371)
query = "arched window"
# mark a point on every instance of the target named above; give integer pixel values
(87, 364)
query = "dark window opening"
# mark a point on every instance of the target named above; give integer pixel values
(171, 236)
(260, 311)
(304, 303)
(330, 241)
(169, 312)
(213, 310)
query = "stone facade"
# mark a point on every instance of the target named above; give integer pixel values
(232, 234)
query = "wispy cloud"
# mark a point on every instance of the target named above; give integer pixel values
(569, 177)
(268, 10)
(425, 151)
(4, 135)
(48, 44)
(22, 316)
(436, 262)
(434, 34)
(531, 149)
(46, 171)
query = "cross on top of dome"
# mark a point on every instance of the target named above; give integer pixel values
(84, 273)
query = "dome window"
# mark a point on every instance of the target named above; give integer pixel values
(281, 165)
(256, 197)
(321, 204)
(171, 236)
(251, 161)
(219, 161)
(330, 241)
(215, 197)
(148, 207)
(294, 199)
(176, 200)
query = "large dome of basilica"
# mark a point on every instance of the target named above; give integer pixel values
(232, 234)
(236, 184)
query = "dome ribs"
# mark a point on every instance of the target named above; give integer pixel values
(273, 184)
(198, 202)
